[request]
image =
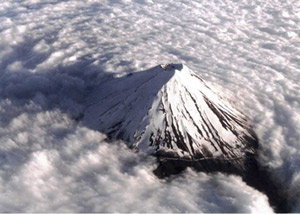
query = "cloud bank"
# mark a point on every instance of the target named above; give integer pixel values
(52, 164)
(53, 52)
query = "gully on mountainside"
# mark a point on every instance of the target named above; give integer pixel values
(170, 112)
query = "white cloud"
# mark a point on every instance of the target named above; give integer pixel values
(52, 52)
(41, 47)
(15, 66)
(64, 167)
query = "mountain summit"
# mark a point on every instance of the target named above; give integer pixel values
(169, 111)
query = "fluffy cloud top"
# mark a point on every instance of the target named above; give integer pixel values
(52, 164)
(53, 52)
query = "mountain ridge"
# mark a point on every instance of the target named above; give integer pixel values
(170, 111)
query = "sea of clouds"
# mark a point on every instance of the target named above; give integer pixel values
(53, 53)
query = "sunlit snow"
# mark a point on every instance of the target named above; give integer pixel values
(52, 53)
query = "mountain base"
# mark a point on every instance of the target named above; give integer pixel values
(249, 169)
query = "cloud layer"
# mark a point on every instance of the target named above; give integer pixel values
(55, 165)
(53, 52)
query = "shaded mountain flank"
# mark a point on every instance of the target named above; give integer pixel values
(168, 111)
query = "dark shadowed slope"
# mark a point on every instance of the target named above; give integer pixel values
(170, 112)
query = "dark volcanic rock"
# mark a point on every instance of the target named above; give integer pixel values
(170, 112)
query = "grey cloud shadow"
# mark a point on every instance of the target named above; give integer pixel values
(125, 89)
(60, 87)
(67, 88)
(63, 87)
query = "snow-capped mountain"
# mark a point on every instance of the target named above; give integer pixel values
(171, 112)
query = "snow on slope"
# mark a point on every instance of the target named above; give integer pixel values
(50, 51)
(171, 111)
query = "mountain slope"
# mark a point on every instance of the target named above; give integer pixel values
(171, 112)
